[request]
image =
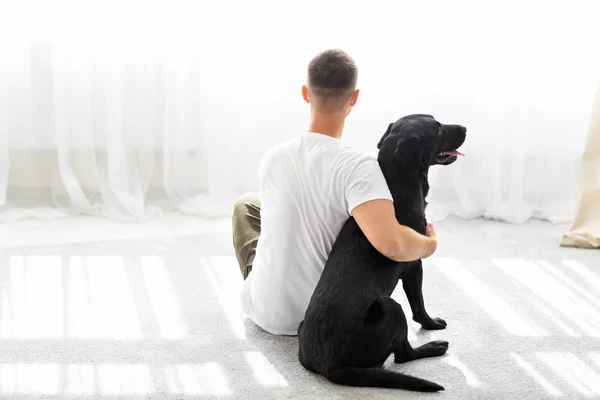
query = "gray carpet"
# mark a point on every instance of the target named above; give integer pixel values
(159, 318)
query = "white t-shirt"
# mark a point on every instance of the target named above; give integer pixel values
(308, 188)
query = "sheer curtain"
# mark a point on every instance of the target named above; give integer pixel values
(129, 109)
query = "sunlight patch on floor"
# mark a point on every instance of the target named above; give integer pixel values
(583, 271)
(549, 387)
(80, 379)
(109, 301)
(264, 372)
(484, 296)
(30, 379)
(50, 297)
(562, 277)
(124, 379)
(227, 282)
(554, 293)
(197, 379)
(32, 304)
(573, 371)
(453, 361)
(119, 379)
(164, 302)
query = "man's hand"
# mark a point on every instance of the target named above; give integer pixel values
(430, 230)
(430, 233)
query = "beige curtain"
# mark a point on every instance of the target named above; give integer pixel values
(585, 228)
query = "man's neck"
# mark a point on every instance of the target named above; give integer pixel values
(327, 124)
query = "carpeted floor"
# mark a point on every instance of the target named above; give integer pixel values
(154, 314)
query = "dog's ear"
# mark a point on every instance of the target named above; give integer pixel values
(385, 135)
(409, 153)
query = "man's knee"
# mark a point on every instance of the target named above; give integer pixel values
(246, 215)
(247, 199)
(246, 229)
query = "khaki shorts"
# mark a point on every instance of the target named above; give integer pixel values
(246, 230)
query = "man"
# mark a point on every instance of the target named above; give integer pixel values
(309, 187)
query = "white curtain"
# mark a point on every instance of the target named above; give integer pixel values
(128, 109)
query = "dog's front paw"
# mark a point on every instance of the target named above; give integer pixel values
(431, 324)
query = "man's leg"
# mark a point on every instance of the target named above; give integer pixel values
(246, 230)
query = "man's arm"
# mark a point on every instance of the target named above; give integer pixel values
(377, 220)
(370, 203)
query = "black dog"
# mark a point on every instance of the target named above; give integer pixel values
(352, 325)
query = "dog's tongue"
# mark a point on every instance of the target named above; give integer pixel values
(454, 153)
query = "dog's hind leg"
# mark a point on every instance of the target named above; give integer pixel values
(412, 282)
(302, 349)
(404, 352)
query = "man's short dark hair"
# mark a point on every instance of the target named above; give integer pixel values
(332, 76)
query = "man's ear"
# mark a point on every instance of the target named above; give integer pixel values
(409, 153)
(354, 98)
(305, 94)
(385, 135)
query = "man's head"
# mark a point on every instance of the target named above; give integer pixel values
(331, 83)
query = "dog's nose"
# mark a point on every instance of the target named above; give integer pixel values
(463, 130)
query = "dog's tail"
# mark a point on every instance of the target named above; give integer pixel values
(381, 378)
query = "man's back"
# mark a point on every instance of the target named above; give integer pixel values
(308, 188)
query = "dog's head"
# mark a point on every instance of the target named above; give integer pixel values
(416, 142)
